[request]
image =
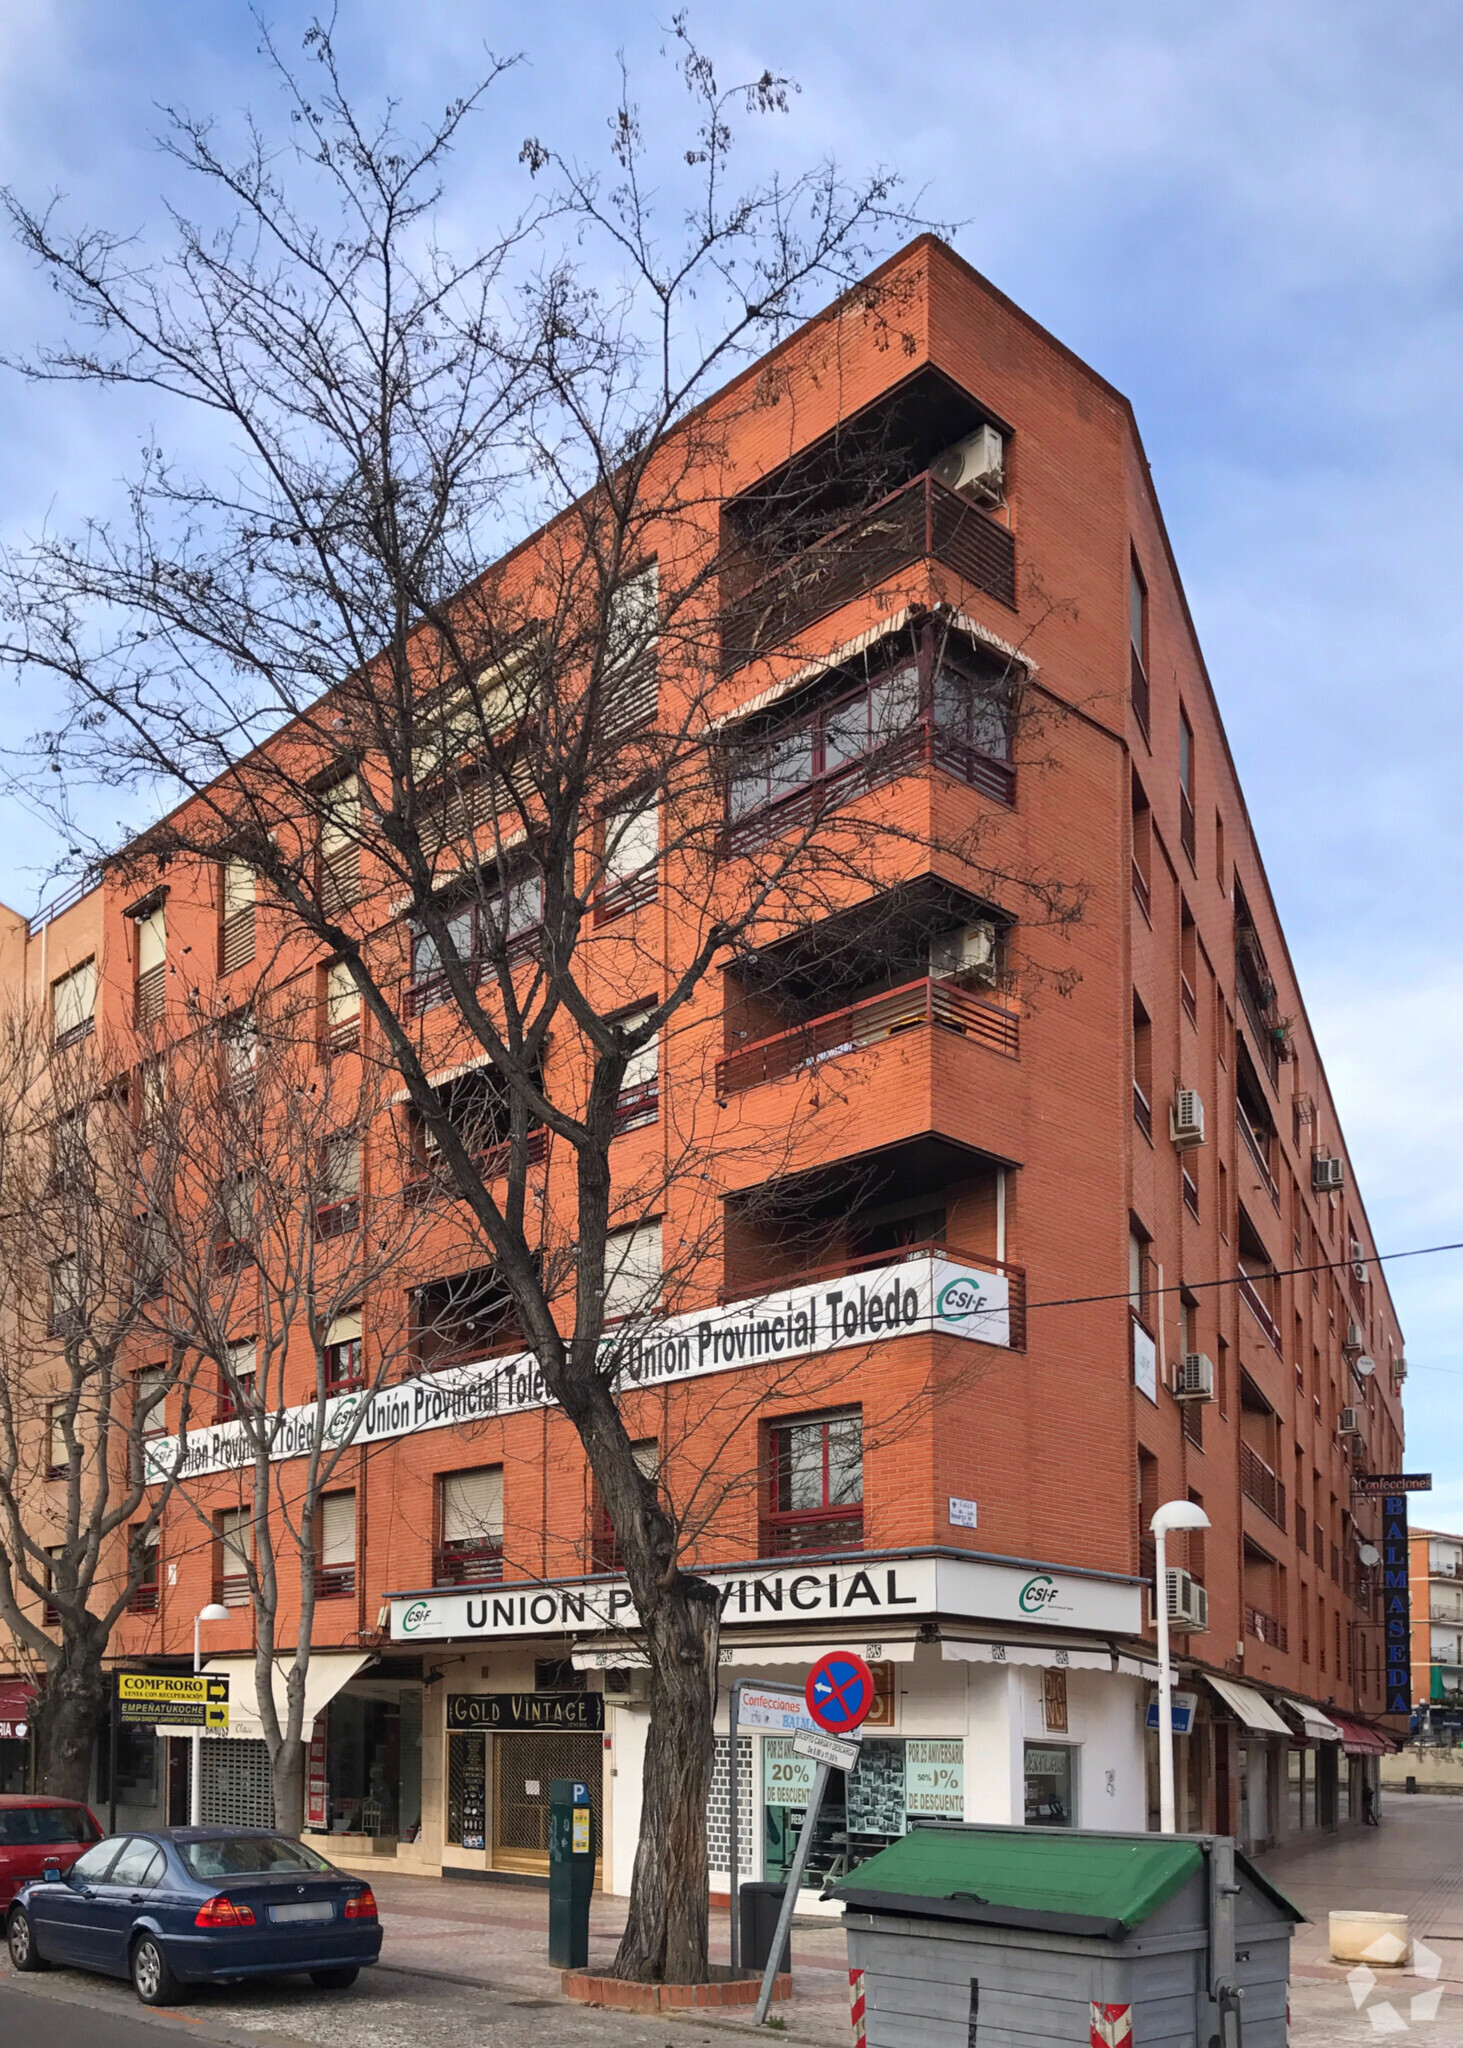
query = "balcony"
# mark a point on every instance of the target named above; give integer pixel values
(1257, 1154)
(637, 1106)
(1139, 692)
(1266, 1629)
(144, 1598)
(334, 1581)
(232, 1590)
(922, 521)
(1142, 1112)
(850, 1268)
(1255, 1302)
(471, 1562)
(1259, 1484)
(812, 1531)
(917, 1005)
(492, 1164)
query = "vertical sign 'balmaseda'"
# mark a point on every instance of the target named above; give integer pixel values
(1397, 1603)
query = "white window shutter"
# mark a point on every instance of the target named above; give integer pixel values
(472, 1505)
(338, 1529)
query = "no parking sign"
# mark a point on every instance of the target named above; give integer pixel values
(840, 1692)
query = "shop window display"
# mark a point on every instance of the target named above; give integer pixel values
(895, 1782)
(1050, 1786)
(373, 1765)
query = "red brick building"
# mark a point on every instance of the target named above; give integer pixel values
(1063, 1173)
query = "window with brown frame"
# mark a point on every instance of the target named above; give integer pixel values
(814, 1487)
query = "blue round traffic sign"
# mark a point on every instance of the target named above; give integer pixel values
(840, 1691)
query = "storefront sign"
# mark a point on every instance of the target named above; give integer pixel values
(875, 1590)
(922, 1295)
(934, 1779)
(784, 1711)
(525, 1710)
(1392, 1482)
(787, 1779)
(17, 1700)
(147, 1699)
(1396, 1603)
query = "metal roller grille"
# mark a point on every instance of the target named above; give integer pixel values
(235, 1786)
(521, 1816)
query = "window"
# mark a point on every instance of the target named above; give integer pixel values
(1188, 964)
(1050, 1786)
(240, 1036)
(236, 1216)
(1256, 1126)
(149, 1400)
(605, 1554)
(70, 1152)
(342, 1008)
(468, 1316)
(1140, 1276)
(149, 1254)
(152, 1091)
(815, 1485)
(335, 1548)
(343, 1359)
(632, 626)
(1186, 783)
(236, 929)
(471, 1521)
(152, 964)
(50, 1613)
(632, 1271)
(497, 927)
(235, 1547)
(67, 1304)
(1142, 850)
(1258, 1285)
(339, 1189)
(476, 1106)
(630, 849)
(340, 845)
(1221, 866)
(144, 1598)
(639, 1101)
(1142, 1070)
(237, 1381)
(73, 1003)
(1138, 637)
(58, 1456)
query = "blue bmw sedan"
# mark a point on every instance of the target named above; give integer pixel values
(186, 1906)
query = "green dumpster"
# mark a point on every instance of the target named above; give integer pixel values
(1010, 1937)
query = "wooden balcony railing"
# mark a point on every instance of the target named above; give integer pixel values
(1266, 1628)
(922, 521)
(839, 1269)
(1259, 1484)
(914, 1006)
(1255, 1302)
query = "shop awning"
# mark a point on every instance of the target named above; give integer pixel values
(17, 1697)
(1252, 1707)
(329, 1671)
(1048, 1656)
(1318, 1726)
(1359, 1740)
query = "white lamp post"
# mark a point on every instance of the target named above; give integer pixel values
(1174, 1514)
(213, 1612)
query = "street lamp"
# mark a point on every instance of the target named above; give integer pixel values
(1174, 1514)
(212, 1612)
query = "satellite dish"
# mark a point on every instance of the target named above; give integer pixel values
(1369, 1554)
(1364, 1368)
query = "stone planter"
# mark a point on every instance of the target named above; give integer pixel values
(624, 1996)
(1381, 1939)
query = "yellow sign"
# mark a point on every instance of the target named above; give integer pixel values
(580, 1841)
(165, 1699)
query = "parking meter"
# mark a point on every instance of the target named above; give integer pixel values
(571, 1872)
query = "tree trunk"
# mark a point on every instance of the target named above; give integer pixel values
(71, 1704)
(666, 1935)
(287, 1769)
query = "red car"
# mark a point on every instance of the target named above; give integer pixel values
(35, 1831)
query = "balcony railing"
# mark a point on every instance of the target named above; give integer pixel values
(232, 1590)
(924, 745)
(915, 1005)
(812, 1530)
(144, 1598)
(476, 1563)
(839, 1269)
(1142, 893)
(1255, 1302)
(1266, 1628)
(1142, 1112)
(923, 521)
(1259, 1484)
(1262, 1164)
(334, 1581)
(1139, 692)
(636, 1106)
(491, 1164)
(1186, 824)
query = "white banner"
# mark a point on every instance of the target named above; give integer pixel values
(917, 1296)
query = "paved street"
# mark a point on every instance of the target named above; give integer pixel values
(464, 1968)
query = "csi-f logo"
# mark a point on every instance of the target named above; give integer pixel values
(415, 1615)
(1037, 1595)
(338, 1427)
(958, 1299)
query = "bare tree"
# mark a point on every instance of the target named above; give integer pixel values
(80, 1252)
(526, 764)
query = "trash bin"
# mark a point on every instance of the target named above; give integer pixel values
(1057, 1935)
(759, 1906)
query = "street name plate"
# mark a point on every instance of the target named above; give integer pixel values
(835, 1750)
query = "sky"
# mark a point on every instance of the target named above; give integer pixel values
(1248, 218)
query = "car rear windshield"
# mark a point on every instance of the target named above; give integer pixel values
(249, 1856)
(21, 1826)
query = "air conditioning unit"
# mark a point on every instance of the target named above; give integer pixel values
(1358, 1271)
(1194, 1380)
(1349, 1423)
(1188, 1603)
(1327, 1174)
(967, 954)
(1355, 1338)
(976, 464)
(1186, 1119)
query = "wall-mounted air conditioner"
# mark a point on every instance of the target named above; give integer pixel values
(1349, 1422)
(1355, 1338)
(968, 954)
(1194, 1379)
(1186, 1119)
(976, 464)
(1188, 1603)
(1327, 1174)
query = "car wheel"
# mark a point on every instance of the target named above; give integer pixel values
(335, 1980)
(22, 1943)
(152, 1977)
